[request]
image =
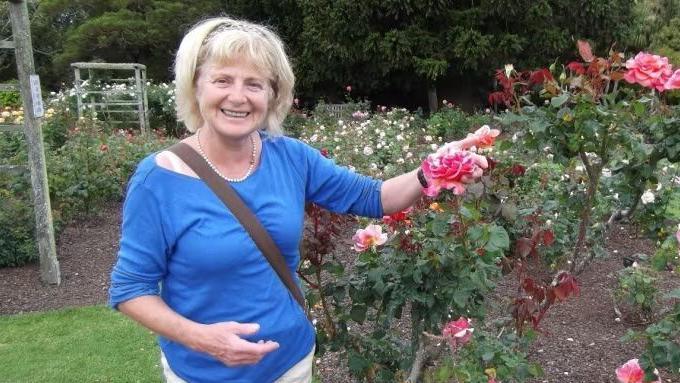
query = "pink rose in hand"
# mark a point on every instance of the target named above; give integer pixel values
(369, 237)
(674, 81)
(450, 171)
(484, 137)
(631, 372)
(651, 71)
(458, 332)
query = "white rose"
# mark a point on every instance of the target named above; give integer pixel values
(368, 150)
(647, 197)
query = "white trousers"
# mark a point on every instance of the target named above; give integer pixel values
(300, 373)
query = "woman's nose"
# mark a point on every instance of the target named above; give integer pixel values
(237, 93)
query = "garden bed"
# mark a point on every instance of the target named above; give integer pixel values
(580, 340)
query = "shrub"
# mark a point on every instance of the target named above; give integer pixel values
(90, 168)
(636, 293)
(10, 98)
(17, 223)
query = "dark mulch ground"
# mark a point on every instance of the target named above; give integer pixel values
(580, 342)
(86, 253)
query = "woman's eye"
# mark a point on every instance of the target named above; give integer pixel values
(222, 81)
(256, 86)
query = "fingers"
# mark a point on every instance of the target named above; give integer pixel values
(467, 142)
(245, 352)
(231, 349)
(242, 328)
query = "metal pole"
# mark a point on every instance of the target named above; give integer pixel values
(49, 265)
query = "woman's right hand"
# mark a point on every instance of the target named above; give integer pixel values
(223, 341)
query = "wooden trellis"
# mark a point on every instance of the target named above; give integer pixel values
(29, 85)
(110, 102)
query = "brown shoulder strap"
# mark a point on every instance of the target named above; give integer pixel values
(235, 204)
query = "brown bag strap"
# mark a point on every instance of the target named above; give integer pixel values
(235, 204)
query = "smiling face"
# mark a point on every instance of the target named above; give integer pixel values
(232, 98)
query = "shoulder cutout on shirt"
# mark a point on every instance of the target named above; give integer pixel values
(170, 161)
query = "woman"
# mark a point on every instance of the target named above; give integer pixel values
(187, 269)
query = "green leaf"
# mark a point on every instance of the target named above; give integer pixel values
(488, 356)
(538, 125)
(440, 227)
(357, 363)
(334, 268)
(498, 239)
(475, 233)
(639, 109)
(358, 313)
(469, 213)
(460, 298)
(559, 100)
(509, 211)
(640, 298)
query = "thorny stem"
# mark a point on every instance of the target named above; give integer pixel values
(330, 325)
(593, 180)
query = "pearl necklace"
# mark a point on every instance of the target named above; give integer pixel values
(214, 168)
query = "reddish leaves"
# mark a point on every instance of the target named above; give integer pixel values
(536, 297)
(525, 247)
(585, 51)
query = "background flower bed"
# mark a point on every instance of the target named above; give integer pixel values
(529, 206)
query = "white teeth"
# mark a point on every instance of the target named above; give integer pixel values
(234, 114)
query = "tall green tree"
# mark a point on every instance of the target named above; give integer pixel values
(398, 46)
(405, 44)
(146, 32)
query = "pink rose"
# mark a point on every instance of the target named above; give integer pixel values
(450, 170)
(369, 237)
(677, 236)
(458, 332)
(674, 81)
(631, 372)
(651, 71)
(348, 88)
(484, 136)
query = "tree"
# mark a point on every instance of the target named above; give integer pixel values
(114, 31)
(378, 45)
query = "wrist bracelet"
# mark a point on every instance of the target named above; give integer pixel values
(422, 179)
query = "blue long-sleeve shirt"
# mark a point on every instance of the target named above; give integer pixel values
(180, 242)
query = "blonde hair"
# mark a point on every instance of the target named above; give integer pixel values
(222, 40)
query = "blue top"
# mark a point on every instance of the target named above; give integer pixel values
(178, 234)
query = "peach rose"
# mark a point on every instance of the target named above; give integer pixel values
(485, 136)
(369, 237)
(631, 372)
(458, 332)
(648, 70)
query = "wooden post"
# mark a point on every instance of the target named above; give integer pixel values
(49, 265)
(79, 95)
(146, 99)
(140, 101)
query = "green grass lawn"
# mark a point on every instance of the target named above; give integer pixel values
(88, 344)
